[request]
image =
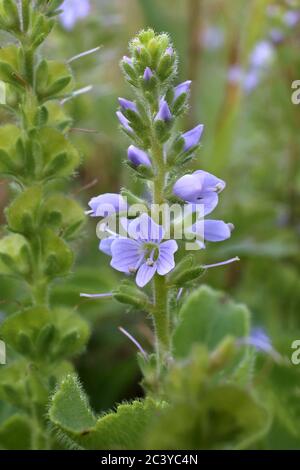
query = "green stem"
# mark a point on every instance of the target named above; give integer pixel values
(161, 317)
(39, 292)
(161, 313)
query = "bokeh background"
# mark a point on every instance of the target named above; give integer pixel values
(242, 57)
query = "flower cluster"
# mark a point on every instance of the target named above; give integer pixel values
(158, 154)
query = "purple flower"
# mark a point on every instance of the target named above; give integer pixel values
(123, 121)
(128, 60)
(213, 37)
(192, 137)
(169, 50)
(291, 18)
(183, 87)
(211, 231)
(262, 54)
(138, 156)
(143, 253)
(200, 188)
(164, 113)
(126, 104)
(106, 205)
(217, 230)
(260, 341)
(147, 74)
(73, 10)
(251, 80)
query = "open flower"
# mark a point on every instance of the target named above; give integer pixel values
(143, 253)
(200, 187)
(106, 204)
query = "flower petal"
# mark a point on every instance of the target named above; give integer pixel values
(216, 230)
(165, 262)
(208, 201)
(145, 274)
(105, 245)
(188, 187)
(126, 254)
(144, 228)
(107, 204)
(210, 182)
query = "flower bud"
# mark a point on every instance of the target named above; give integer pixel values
(138, 157)
(183, 87)
(147, 74)
(124, 122)
(192, 137)
(126, 104)
(164, 113)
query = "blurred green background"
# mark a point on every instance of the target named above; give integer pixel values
(242, 57)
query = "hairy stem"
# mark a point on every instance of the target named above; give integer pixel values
(160, 291)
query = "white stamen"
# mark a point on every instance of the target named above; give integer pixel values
(137, 344)
(96, 296)
(83, 54)
(75, 93)
(222, 263)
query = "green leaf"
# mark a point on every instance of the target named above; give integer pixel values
(15, 433)
(14, 255)
(282, 385)
(9, 66)
(63, 214)
(206, 412)
(223, 417)
(57, 256)
(22, 215)
(46, 332)
(54, 146)
(124, 429)
(207, 316)
(19, 378)
(9, 159)
(56, 80)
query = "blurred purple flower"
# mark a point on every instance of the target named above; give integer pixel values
(143, 253)
(126, 104)
(192, 137)
(164, 113)
(106, 204)
(213, 37)
(147, 74)
(251, 80)
(124, 121)
(138, 156)
(183, 87)
(128, 60)
(291, 18)
(260, 341)
(200, 187)
(262, 54)
(73, 10)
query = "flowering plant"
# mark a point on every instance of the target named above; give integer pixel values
(200, 380)
(159, 154)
